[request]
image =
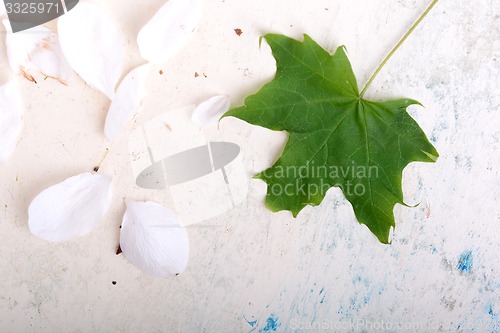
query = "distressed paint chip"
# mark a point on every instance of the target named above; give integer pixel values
(466, 261)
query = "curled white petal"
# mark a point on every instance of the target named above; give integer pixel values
(127, 102)
(93, 46)
(209, 112)
(70, 209)
(153, 239)
(169, 30)
(36, 49)
(11, 122)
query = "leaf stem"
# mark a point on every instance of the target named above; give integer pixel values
(398, 45)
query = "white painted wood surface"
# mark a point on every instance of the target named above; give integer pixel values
(253, 270)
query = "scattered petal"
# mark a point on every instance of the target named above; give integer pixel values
(36, 49)
(127, 102)
(3, 11)
(70, 209)
(93, 46)
(169, 30)
(11, 122)
(209, 112)
(153, 239)
(427, 209)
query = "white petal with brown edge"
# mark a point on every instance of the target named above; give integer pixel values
(93, 46)
(11, 121)
(208, 113)
(127, 102)
(169, 30)
(153, 239)
(36, 50)
(70, 209)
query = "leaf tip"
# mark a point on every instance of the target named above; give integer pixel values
(386, 237)
(391, 234)
(432, 156)
(411, 206)
(258, 176)
(225, 115)
(408, 102)
(306, 37)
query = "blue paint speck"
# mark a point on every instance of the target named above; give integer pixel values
(490, 311)
(495, 321)
(251, 323)
(272, 324)
(353, 300)
(466, 261)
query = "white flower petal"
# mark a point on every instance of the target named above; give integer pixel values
(169, 30)
(93, 46)
(36, 49)
(127, 102)
(209, 112)
(153, 239)
(3, 11)
(11, 122)
(70, 209)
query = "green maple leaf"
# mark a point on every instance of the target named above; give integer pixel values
(336, 138)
